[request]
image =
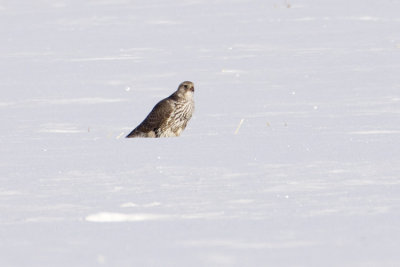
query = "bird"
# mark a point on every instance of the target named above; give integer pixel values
(170, 116)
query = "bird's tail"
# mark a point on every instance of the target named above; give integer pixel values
(136, 133)
(133, 134)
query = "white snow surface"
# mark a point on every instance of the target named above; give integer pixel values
(292, 157)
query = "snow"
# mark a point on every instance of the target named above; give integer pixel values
(292, 157)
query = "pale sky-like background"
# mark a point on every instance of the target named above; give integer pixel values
(309, 178)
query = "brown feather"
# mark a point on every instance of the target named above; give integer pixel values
(170, 116)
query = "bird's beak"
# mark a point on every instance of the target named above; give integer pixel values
(192, 89)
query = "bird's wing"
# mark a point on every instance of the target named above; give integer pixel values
(157, 116)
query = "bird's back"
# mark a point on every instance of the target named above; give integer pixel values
(151, 124)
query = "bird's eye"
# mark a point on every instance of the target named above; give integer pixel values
(186, 86)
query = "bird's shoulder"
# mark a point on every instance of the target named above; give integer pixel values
(164, 106)
(161, 111)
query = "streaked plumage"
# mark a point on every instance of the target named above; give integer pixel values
(170, 116)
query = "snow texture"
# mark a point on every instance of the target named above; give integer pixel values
(292, 157)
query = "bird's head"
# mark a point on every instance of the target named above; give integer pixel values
(186, 90)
